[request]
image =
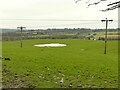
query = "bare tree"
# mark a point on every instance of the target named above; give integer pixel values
(111, 6)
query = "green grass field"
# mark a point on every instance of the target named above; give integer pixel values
(110, 35)
(81, 64)
(0, 47)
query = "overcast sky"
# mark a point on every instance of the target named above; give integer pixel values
(51, 9)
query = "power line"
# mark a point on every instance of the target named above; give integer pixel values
(49, 19)
(21, 28)
(106, 20)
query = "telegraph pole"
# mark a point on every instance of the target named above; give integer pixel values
(106, 20)
(21, 28)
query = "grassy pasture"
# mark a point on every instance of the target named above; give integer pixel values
(0, 47)
(81, 64)
(110, 35)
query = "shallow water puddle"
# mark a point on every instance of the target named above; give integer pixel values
(51, 45)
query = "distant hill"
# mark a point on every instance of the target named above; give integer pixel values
(7, 30)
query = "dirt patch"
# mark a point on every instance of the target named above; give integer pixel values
(13, 80)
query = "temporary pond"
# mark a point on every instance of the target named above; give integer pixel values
(51, 45)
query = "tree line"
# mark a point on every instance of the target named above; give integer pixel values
(66, 33)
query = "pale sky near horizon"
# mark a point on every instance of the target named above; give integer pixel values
(51, 9)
